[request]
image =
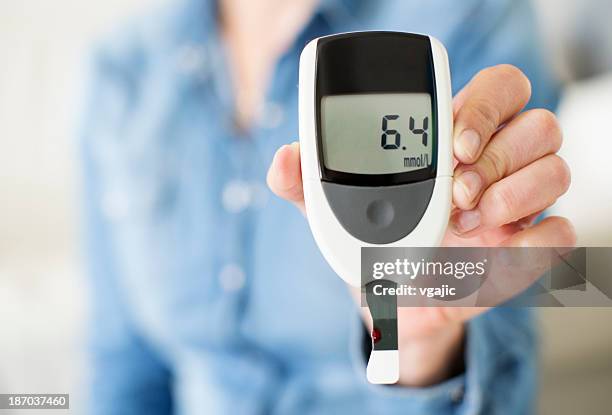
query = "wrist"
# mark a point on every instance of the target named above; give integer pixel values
(433, 357)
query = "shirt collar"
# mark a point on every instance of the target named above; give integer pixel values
(202, 13)
(343, 13)
(347, 7)
(194, 23)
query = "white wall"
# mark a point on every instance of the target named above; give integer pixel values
(42, 48)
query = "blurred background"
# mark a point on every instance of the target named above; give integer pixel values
(43, 47)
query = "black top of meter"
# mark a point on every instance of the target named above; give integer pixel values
(377, 208)
(375, 62)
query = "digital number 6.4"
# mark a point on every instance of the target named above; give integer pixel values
(394, 143)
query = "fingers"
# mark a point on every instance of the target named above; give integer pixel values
(507, 170)
(285, 175)
(529, 190)
(553, 231)
(493, 97)
(493, 237)
(525, 139)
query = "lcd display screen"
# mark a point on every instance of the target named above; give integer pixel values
(377, 133)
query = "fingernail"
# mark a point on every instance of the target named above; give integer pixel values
(467, 186)
(467, 221)
(468, 144)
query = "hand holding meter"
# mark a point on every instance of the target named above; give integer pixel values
(376, 153)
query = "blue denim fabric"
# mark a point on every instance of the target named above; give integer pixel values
(209, 294)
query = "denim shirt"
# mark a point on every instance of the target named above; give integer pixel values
(209, 294)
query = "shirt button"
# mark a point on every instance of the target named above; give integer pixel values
(458, 394)
(272, 115)
(191, 59)
(231, 278)
(237, 196)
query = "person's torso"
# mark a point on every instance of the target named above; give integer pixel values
(219, 273)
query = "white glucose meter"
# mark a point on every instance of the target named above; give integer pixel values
(376, 153)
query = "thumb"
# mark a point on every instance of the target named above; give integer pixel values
(285, 175)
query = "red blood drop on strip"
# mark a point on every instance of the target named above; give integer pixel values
(376, 335)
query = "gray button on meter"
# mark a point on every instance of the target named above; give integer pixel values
(379, 215)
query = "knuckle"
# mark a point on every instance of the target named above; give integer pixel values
(514, 76)
(566, 232)
(509, 70)
(548, 124)
(562, 173)
(546, 119)
(495, 164)
(510, 79)
(484, 116)
(502, 202)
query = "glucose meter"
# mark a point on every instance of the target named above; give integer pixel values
(376, 156)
